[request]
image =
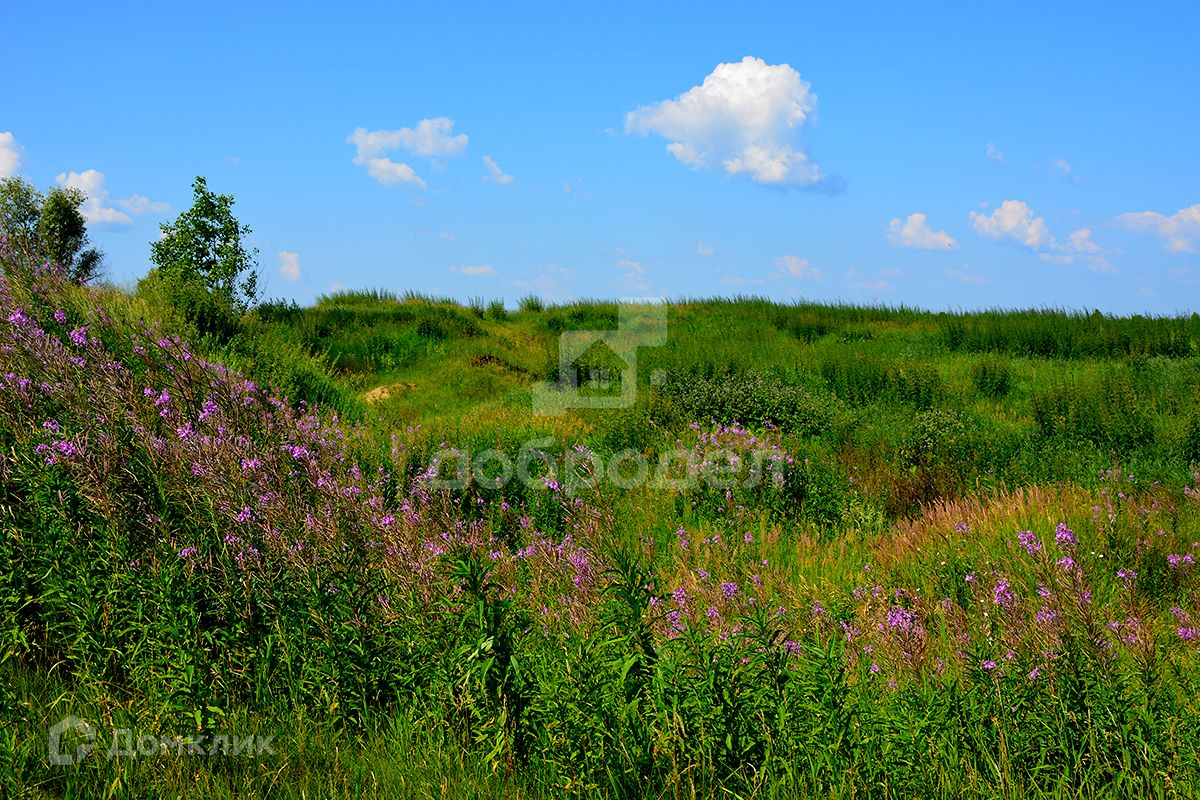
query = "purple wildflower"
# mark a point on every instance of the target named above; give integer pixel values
(1002, 594)
(1064, 537)
(1029, 542)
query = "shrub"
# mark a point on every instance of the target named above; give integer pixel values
(754, 399)
(211, 315)
(532, 303)
(496, 311)
(992, 376)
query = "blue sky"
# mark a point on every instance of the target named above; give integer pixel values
(615, 150)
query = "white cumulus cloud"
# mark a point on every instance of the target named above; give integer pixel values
(796, 267)
(391, 173)
(915, 232)
(430, 138)
(10, 154)
(1180, 230)
(744, 118)
(289, 265)
(100, 208)
(474, 270)
(1015, 220)
(495, 174)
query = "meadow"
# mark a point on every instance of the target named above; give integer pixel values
(828, 551)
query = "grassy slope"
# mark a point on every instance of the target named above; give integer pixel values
(920, 422)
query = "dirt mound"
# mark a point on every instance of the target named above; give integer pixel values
(380, 393)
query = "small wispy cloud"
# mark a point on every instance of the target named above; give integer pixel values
(965, 275)
(573, 188)
(856, 281)
(289, 265)
(796, 267)
(633, 275)
(1179, 230)
(704, 249)
(915, 232)
(992, 151)
(1059, 168)
(495, 174)
(474, 270)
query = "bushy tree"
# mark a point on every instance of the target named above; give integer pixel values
(62, 234)
(20, 207)
(206, 245)
(48, 227)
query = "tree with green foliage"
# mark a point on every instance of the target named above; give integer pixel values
(48, 227)
(206, 245)
(62, 233)
(20, 208)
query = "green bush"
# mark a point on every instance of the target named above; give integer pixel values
(753, 399)
(1109, 413)
(531, 303)
(992, 376)
(496, 311)
(211, 315)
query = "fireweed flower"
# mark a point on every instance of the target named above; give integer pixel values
(1029, 542)
(988, 666)
(1064, 537)
(902, 619)
(1002, 594)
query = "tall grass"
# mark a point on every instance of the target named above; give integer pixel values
(189, 551)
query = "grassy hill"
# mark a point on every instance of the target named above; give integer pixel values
(827, 550)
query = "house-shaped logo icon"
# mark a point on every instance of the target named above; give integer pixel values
(598, 369)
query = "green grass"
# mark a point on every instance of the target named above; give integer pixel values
(184, 553)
